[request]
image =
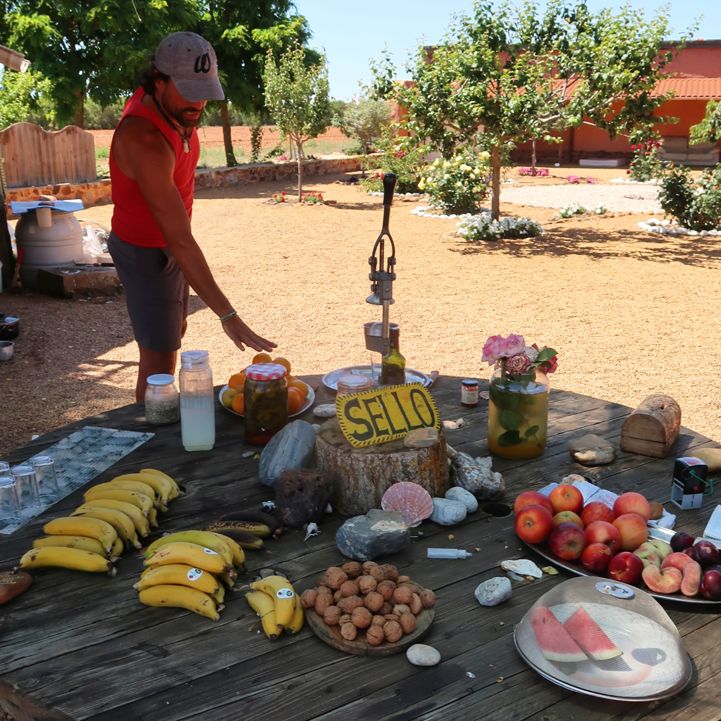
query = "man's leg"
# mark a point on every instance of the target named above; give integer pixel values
(152, 362)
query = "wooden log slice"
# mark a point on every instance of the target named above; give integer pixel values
(362, 475)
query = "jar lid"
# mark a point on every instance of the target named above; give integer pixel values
(265, 372)
(161, 379)
(191, 358)
(355, 381)
(6, 481)
(469, 382)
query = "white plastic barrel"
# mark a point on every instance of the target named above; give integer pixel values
(47, 245)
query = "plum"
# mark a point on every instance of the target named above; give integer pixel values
(681, 540)
(705, 553)
(711, 585)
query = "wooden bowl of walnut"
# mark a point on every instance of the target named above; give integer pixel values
(368, 609)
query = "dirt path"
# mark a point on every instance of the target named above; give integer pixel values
(630, 313)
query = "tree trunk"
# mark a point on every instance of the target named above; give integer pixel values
(495, 183)
(299, 152)
(79, 115)
(230, 160)
(533, 156)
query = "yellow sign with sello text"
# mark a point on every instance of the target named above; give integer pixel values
(373, 417)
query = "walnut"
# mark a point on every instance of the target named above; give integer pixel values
(387, 607)
(322, 601)
(349, 588)
(403, 579)
(386, 588)
(368, 565)
(348, 631)
(361, 617)
(391, 572)
(348, 603)
(307, 598)
(393, 631)
(332, 615)
(352, 569)
(333, 578)
(378, 573)
(345, 618)
(416, 604)
(375, 635)
(337, 595)
(401, 608)
(428, 598)
(373, 601)
(408, 622)
(366, 584)
(378, 620)
(402, 594)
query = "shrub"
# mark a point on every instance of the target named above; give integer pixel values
(570, 210)
(537, 172)
(483, 227)
(694, 205)
(457, 185)
(646, 164)
(406, 162)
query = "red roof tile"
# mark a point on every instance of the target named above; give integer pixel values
(690, 88)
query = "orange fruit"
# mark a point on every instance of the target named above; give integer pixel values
(261, 358)
(302, 387)
(283, 362)
(295, 400)
(239, 403)
(237, 381)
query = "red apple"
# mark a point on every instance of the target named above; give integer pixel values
(604, 532)
(567, 517)
(534, 524)
(597, 511)
(632, 502)
(596, 557)
(567, 541)
(633, 529)
(531, 498)
(565, 497)
(625, 567)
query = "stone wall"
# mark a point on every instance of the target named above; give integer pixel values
(98, 193)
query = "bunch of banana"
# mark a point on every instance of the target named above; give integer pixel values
(277, 605)
(187, 569)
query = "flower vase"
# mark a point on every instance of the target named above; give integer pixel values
(518, 415)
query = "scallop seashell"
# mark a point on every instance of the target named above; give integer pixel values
(523, 567)
(412, 501)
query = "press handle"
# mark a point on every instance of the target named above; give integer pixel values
(389, 185)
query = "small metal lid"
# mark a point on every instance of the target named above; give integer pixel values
(265, 372)
(469, 382)
(161, 379)
(350, 382)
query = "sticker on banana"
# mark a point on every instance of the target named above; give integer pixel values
(190, 553)
(181, 574)
(264, 606)
(200, 538)
(180, 597)
(283, 595)
(73, 559)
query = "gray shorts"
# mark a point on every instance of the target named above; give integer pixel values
(156, 293)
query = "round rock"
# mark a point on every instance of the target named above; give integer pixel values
(419, 654)
(465, 497)
(493, 591)
(447, 512)
(324, 410)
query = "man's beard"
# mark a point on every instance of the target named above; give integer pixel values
(182, 120)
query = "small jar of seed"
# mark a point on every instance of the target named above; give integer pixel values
(162, 402)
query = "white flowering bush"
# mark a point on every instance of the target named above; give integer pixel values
(570, 210)
(483, 227)
(457, 185)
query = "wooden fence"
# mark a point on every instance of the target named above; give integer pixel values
(33, 156)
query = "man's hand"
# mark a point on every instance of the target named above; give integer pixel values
(243, 336)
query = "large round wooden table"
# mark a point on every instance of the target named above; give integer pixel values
(81, 646)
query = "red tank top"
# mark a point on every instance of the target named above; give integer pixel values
(132, 220)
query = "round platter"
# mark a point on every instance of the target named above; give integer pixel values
(309, 400)
(330, 380)
(579, 570)
(359, 647)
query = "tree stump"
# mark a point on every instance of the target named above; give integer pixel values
(362, 475)
(653, 427)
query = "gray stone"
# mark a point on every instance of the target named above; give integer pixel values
(378, 533)
(293, 447)
(421, 438)
(477, 476)
(324, 410)
(493, 591)
(419, 654)
(447, 512)
(592, 450)
(465, 497)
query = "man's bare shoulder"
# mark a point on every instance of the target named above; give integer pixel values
(140, 133)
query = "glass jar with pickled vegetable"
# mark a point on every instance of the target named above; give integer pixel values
(266, 402)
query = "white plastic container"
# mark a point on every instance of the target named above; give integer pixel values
(197, 401)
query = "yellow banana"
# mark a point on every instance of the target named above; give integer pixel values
(263, 605)
(140, 522)
(122, 524)
(161, 488)
(118, 548)
(173, 487)
(74, 559)
(153, 517)
(179, 574)
(83, 526)
(199, 538)
(108, 490)
(237, 551)
(140, 487)
(283, 595)
(296, 623)
(84, 543)
(229, 577)
(182, 552)
(219, 595)
(180, 597)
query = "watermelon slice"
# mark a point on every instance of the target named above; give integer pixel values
(553, 639)
(589, 636)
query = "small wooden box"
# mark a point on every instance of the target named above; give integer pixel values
(652, 429)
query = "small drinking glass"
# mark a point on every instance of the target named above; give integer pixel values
(9, 506)
(44, 467)
(4, 468)
(27, 488)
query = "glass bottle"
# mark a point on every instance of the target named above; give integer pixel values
(162, 403)
(393, 364)
(266, 402)
(197, 401)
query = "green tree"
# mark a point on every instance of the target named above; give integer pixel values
(367, 121)
(296, 96)
(508, 74)
(709, 129)
(25, 97)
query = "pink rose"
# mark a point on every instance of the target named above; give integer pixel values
(550, 366)
(515, 344)
(494, 349)
(518, 364)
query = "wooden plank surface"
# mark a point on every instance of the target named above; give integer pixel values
(81, 646)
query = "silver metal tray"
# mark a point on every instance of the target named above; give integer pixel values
(330, 380)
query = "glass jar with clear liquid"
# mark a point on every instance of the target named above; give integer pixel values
(197, 401)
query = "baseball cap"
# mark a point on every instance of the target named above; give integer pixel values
(190, 62)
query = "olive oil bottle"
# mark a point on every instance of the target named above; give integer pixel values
(393, 364)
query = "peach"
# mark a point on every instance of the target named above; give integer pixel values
(667, 580)
(677, 560)
(567, 517)
(531, 498)
(648, 554)
(633, 530)
(597, 511)
(632, 502)
(691, 582)
(565, 497)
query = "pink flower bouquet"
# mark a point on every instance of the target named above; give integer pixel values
(516, 360)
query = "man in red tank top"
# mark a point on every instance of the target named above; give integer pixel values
(153, 158)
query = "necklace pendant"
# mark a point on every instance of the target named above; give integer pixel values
(186, 145)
